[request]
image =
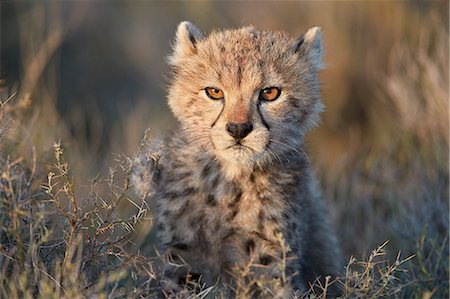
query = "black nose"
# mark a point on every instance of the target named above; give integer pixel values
(239, 131)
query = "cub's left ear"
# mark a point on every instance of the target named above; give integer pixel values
(310, 46)
(186, 40)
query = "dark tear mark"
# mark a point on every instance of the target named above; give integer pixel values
(218, 116)
(258, 107)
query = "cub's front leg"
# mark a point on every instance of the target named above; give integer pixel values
(255, 265)
(185, 268)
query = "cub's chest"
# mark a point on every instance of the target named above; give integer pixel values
(247, 205)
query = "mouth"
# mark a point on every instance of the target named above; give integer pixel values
(239, 146)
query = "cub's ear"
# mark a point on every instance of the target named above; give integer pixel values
(186, 39)
(310, 46)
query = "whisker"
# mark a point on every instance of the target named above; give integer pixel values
(306, 156)
(286, 145)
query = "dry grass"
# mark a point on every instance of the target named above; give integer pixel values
(55, 244)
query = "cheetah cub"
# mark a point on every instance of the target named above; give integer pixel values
(236, 198)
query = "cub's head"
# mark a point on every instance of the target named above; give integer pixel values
(245, 96)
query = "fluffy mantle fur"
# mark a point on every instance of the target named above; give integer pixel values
(223, 202)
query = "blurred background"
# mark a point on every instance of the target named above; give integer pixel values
(94, 75)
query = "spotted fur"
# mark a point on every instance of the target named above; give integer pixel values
(221, 203)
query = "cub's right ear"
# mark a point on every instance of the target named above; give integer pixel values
(310, 45)
(185, 42)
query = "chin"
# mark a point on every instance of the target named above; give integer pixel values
(239, 160)
(240, 153)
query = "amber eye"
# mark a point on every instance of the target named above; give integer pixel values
(214, 93)
(269, 94)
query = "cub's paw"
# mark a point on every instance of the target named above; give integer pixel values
(146, 167)
(179, 282)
